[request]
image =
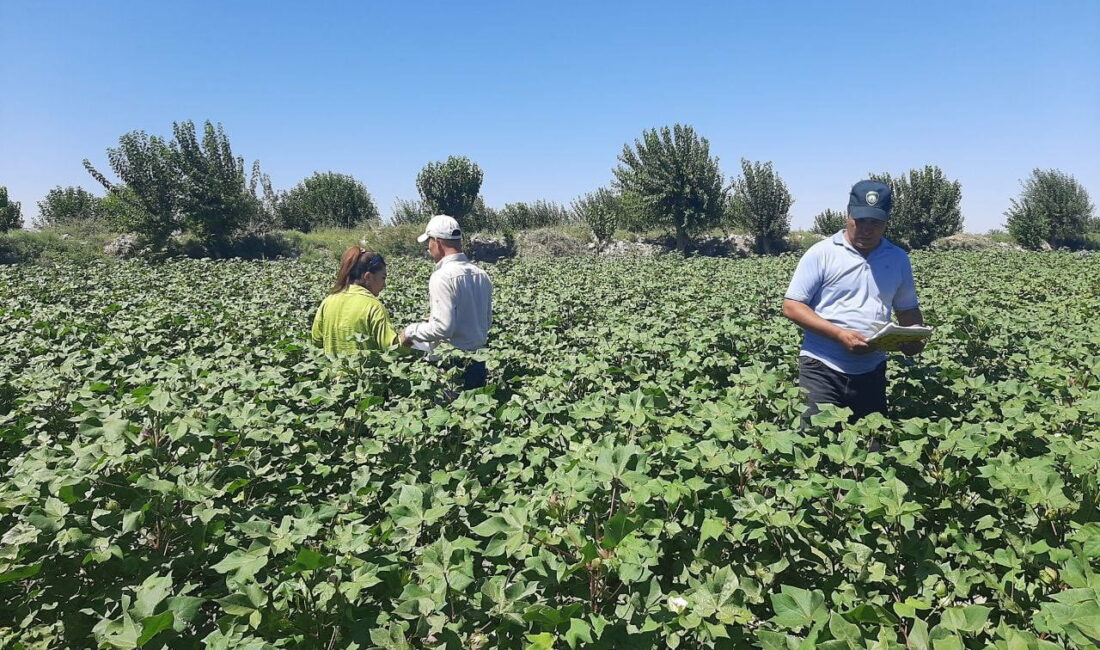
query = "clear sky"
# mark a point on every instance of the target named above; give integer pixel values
(544, 95)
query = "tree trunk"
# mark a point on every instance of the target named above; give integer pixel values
(681, 240)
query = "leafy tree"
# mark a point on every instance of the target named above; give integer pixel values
(761, 203)
(926, 206)
(451, 187)
(527, 216)
(409, 212)
(327, 200)
(601, 210)
(11, 216)
(674, 181)
(482, 218)
(118, 211)
(213, 200)
(63, 206)
(829, 222)
(146, 166)
(1093, 225)
(183, 185)
(259, 186)
(1052, 207)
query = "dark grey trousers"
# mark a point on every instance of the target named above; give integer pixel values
(864, 394)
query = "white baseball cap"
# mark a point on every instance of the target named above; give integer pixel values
(441, 227)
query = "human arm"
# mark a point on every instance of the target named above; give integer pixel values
(908, 310)
(440, 323)
(804, 289)
(380, 329)
(908, 317)
(805, 317)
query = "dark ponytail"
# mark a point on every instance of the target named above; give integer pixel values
(354, 264)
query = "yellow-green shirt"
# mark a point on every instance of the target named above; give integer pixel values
(352, 311)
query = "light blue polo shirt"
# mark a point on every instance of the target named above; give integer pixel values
(854, 292)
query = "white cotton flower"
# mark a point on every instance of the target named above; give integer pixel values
(677, 604)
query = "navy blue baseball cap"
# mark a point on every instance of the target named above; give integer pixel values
(870, 200)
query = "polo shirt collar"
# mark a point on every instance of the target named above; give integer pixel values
(840, 240)
(453, 257)
(359, 290)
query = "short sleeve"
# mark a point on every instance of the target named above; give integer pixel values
(905, 297)
(807, 278)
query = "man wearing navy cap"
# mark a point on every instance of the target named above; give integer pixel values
(844, 289)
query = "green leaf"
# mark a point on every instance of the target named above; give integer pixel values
(243, 564)
(392, 637)
(712, 528)
(183, 609)
(910, 607)
(796, 608)
(22, 573)
(870, 614)
(492, 526)
(237, 604)
(310, 560)
(918, 635)
(579, 632)
(543, 641)
(773, 640)
(842, 630)
(150, 593)
(948, 643)
(154, 625)
(965, 619)
(617, 528)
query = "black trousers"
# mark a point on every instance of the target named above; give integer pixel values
(474, 375)
(864, 394)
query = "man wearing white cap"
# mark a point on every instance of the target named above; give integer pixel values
(461, 297)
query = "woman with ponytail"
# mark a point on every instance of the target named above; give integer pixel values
(351, 317)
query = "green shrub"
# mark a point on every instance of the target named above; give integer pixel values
(527, 216)
(1054, 208)
(451, 187)
(548, 242)
(182, 185)
(11, 216)
(670, 181)
(254, 245)
(149, 185)
(926, 207)
(829, 222)
(49, 247)
(798, 241)
(64, 206)
(327, 200)
(483, 218)
(406, 212)
(601, 211)
(760, 203)
(394, 240)
(214, 200)
(330, 243)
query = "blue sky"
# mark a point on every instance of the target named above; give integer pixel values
(544, 95)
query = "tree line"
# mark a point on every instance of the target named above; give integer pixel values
(665, 180)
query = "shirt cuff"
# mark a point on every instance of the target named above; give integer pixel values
(797, 298)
